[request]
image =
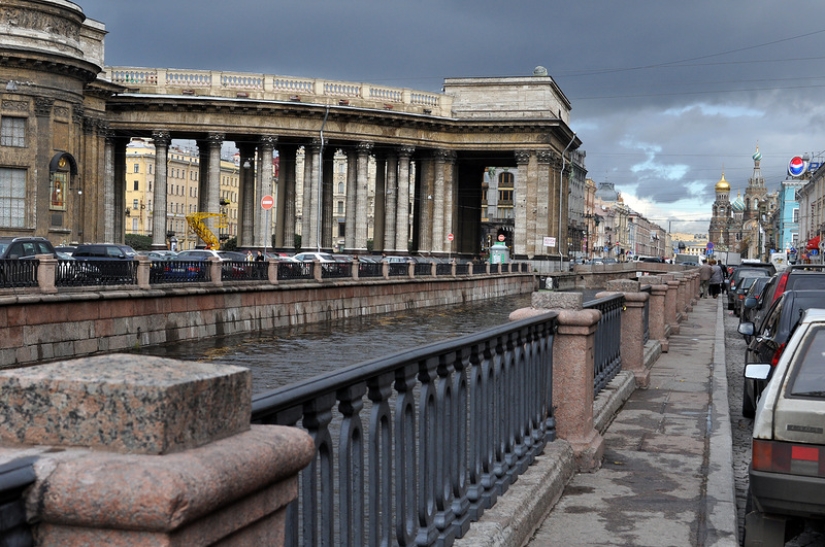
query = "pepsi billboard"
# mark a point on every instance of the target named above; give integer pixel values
(797, 166)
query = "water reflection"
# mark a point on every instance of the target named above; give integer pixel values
(288, 354)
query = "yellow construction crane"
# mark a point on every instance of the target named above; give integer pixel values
(196, 221)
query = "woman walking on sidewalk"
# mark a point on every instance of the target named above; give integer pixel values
(716, 279)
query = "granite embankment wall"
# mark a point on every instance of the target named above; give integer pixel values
(39, 327)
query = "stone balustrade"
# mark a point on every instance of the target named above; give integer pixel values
(257, 86)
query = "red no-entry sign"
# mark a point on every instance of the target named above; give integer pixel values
(449, 237)
(267, 202)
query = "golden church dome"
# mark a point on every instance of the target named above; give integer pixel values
(722, 185)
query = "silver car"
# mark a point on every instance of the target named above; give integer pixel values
(787, 472)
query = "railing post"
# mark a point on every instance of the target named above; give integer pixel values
(671, 314)
(385, 269)
(354, 272)
(272, 271)
(433, 269)
(633, 346)
(658, 321)
(215, 269)
(573, 366)
(453, 267)
(410, 268)
(317, 273)
(46, 273)
(144, 268)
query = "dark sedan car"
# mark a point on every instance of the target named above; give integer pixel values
(749, 270)
(741, 291)
(768, 344)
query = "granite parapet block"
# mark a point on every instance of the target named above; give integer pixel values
(124, 403)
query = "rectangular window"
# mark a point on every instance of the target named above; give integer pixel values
(136, 168)
(13, 131)
(135, 205)
(12, 198)
(796, 214)
(137, 186)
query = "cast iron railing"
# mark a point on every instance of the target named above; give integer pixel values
(607, 347)
(413, 447)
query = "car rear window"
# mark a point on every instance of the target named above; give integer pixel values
(809, 374)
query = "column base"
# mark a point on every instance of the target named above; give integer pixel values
(588, 452)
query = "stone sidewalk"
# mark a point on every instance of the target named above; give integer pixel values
(666, 478)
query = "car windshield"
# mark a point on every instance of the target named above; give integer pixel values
(809, 376)
(3, 247)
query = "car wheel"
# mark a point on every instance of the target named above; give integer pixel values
(748, 408)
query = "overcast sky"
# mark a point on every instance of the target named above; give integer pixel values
(666, 95)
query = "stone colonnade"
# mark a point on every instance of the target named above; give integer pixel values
(416, 192)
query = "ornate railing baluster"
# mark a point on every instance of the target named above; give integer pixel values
(379, 474)
(406, 471)
(318, 524)
(428, 424)
(351, 513)
(458, 446)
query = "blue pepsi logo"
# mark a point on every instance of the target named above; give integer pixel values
(796, 166)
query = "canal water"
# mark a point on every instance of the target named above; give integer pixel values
(288, 354)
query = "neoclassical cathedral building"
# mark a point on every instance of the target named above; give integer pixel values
(740, 226)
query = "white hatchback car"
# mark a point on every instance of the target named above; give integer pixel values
(787, 472)
(312, 257)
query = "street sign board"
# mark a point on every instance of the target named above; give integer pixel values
(267, 202)
(450, 237)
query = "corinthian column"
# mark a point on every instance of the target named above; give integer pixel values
(361, 196)
(352, 174)
(402, 223)
(439, 201)
(390, 208)
(263, 228)
(162, 139)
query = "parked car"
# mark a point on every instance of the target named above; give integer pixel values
(786, 478)
(741, 290)
(769, 343)
(803, 276)
(312, 257)
(66, 249)
(105, 263)
(746, 271)
(199, 254)
(753, 296)
(158, 255)
(14, 249)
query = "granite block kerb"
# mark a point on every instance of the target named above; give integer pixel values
(124, 403)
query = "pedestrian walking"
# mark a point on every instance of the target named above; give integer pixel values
(716, 279)
(705, 271)
(259, 257)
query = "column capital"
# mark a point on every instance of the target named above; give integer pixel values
(269, 140)
(161, 138)
(365, 147)
(442, 155)
(215, 138)
(523, 156)
(406, 151)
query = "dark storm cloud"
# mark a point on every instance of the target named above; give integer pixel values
(666, 95)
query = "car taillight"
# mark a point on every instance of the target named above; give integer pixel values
(778, 353)
(795, 459)
(780, 286)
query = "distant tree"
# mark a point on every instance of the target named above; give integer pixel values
(297, 243)
(230, 244)
(139, 242)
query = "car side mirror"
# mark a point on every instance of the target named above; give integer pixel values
(746, 328)
(757, 372)
(750, 302)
